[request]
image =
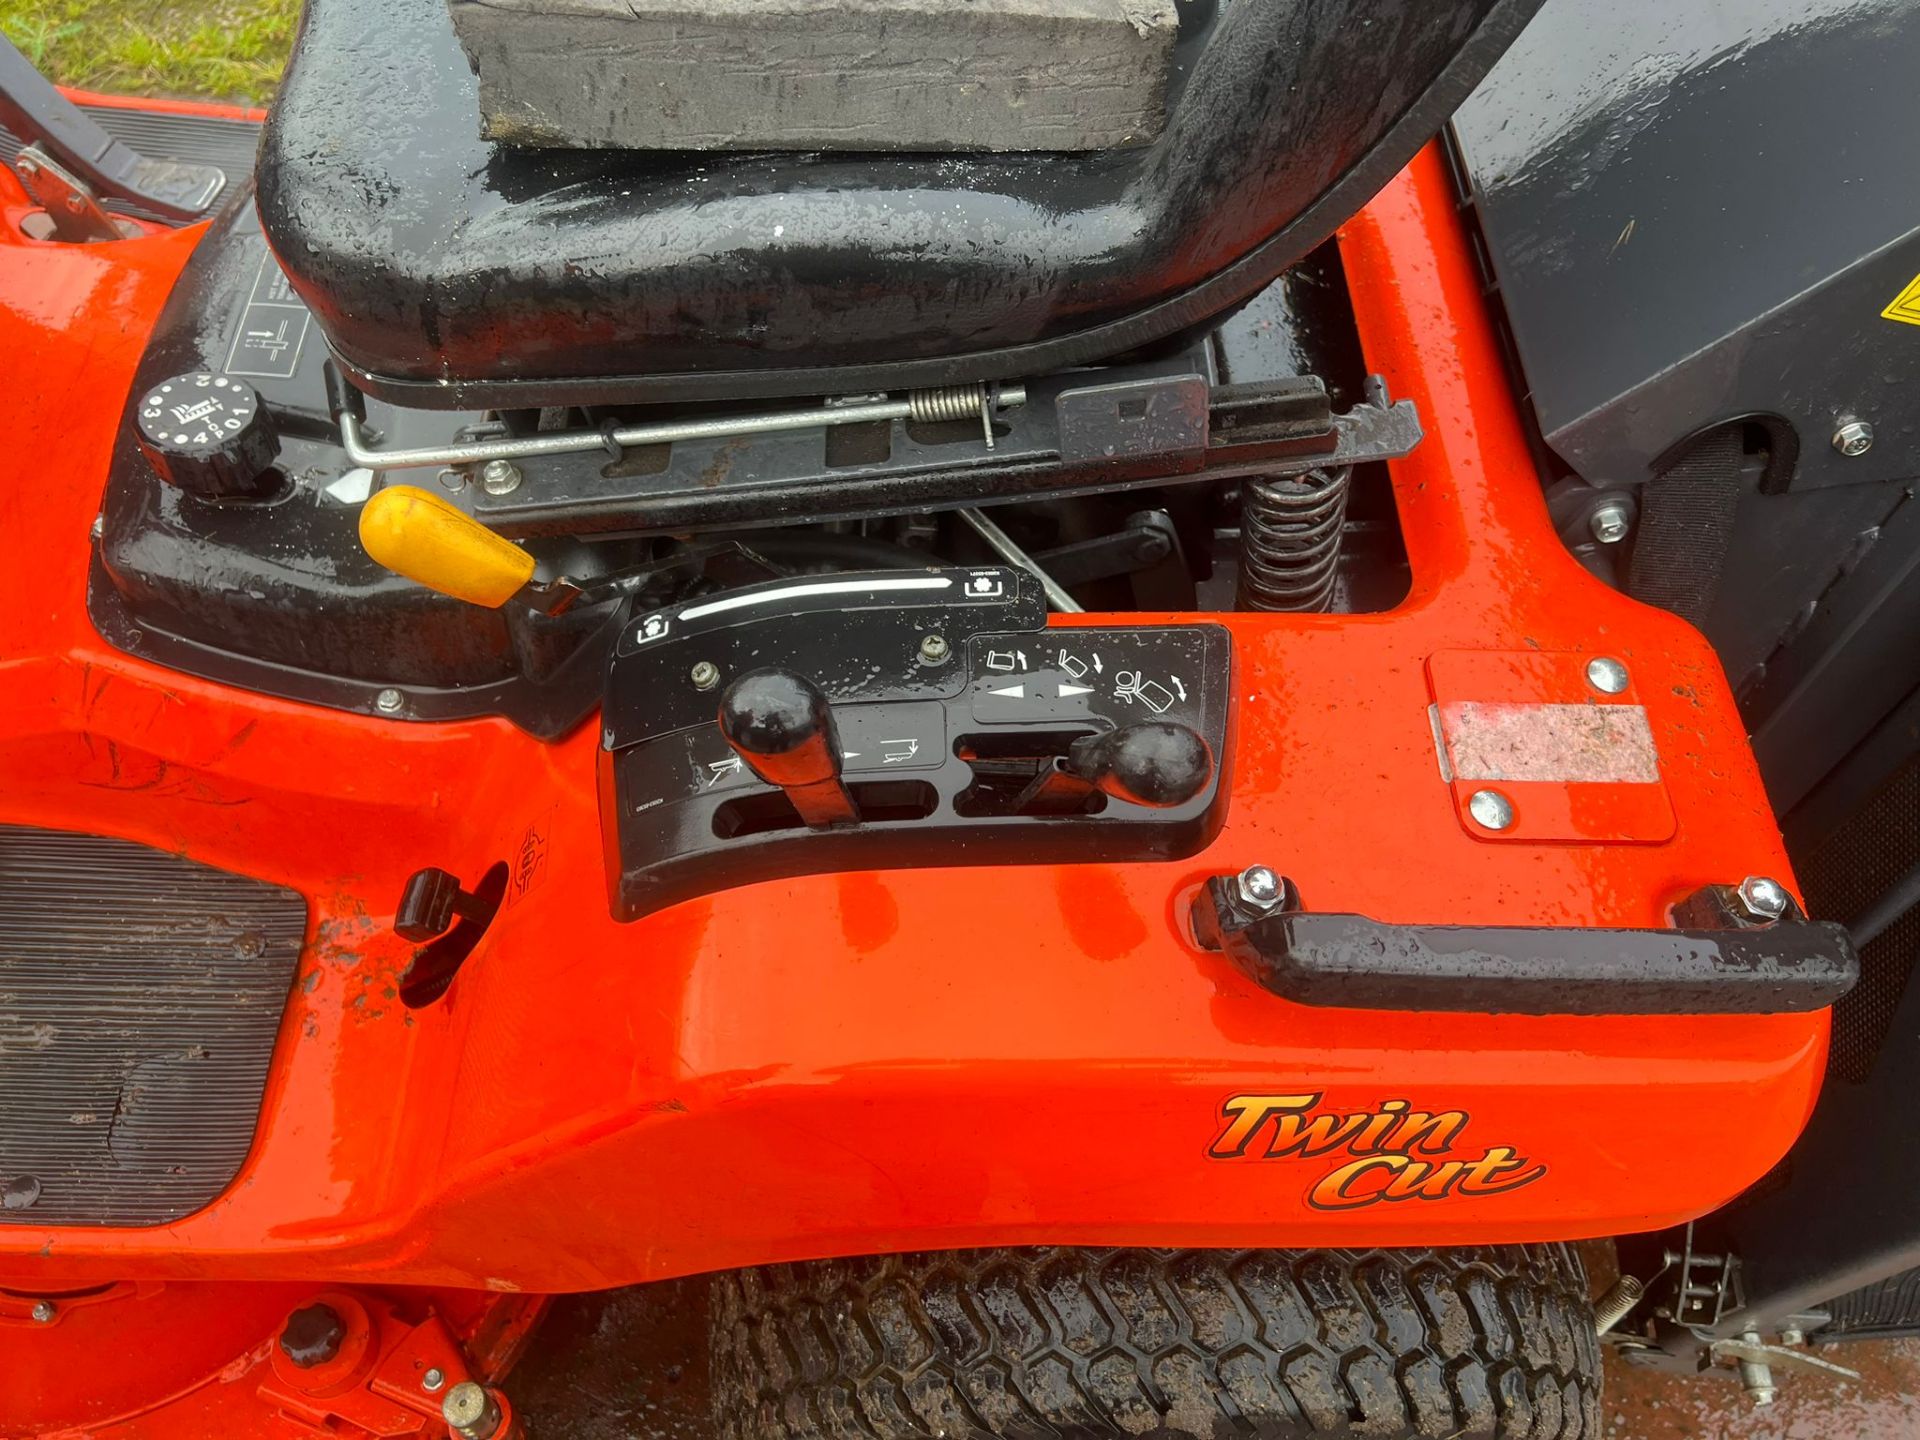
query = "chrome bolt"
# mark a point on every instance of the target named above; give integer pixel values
(1259, 887)
(1855, 437)
(389, 702)
(500, 477)
(470, 1411)
(433, 1379)
(1607, 676)
(27, 166)
(1793, 1335)
(44, 1311)
(1762, 898)
(1490, 809)
(1755, 1378)
(705, 675)
(934, 649)
(98, 528)
(1609, 522)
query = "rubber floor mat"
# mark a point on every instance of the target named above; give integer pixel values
(140, 996)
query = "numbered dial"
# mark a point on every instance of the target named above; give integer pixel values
(209, 435)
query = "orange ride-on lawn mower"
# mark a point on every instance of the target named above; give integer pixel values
(879, 793)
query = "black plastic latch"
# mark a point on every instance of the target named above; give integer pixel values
(429, 903)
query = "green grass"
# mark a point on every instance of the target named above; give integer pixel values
(213, 50)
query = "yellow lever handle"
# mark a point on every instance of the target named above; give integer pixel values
(415, 533)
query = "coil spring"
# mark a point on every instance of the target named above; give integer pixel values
(1290, 531)
(947, 402)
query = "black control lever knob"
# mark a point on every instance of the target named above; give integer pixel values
(1154, 762)
(781, 725)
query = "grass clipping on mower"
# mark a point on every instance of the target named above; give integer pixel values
(874, 75)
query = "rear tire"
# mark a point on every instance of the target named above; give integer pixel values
(1207, 1343)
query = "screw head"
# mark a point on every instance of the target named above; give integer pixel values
(1762, 898)
(934, 649)
(1490, 809)
(1606, 675)
(27, 166)
(1855, 437)
(1609, 522)
(434, 1378)
(500, 477)
(1259, 887)
(389, 702)
(44, 1311)
(704, 675)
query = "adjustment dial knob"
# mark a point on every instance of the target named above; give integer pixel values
(209, 435)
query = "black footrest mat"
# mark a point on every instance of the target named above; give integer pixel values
(140, 996)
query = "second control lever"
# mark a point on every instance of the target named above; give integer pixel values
(1156, 763)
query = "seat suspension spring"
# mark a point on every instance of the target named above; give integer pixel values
(1290, 533)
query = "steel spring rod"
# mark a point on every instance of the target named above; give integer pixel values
(947, 402)
(1290, 533)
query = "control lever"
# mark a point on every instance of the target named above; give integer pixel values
(1156, 763)
(781, 725)
(417, 534)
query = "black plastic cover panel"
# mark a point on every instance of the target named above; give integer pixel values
(140, 996)
(923, 742)
(449, 271)
(1699, 212)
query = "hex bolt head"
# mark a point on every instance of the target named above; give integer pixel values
(499, 477)
(1853, 438)
(433, 1379)
(44, 1311)
(704, 675)
(389, 702)
(1259, 887)
(1609, 522)
(470, 1411)
(1490, 809)
(1762, 898)
(1606, 675)
(934, 649)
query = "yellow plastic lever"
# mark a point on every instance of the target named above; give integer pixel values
(417, 534)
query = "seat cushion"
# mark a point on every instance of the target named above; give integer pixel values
(451, 271)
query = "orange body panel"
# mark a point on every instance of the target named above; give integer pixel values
(894, 1060)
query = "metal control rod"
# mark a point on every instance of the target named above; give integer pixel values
(1003, 546)
(929, 405)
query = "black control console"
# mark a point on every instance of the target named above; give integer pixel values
(901, 718)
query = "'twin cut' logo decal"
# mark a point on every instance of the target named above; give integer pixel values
(1401, 1154)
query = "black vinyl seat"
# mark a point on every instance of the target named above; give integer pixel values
(449, 271)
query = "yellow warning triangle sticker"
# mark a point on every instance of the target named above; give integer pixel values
(1906, 305)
